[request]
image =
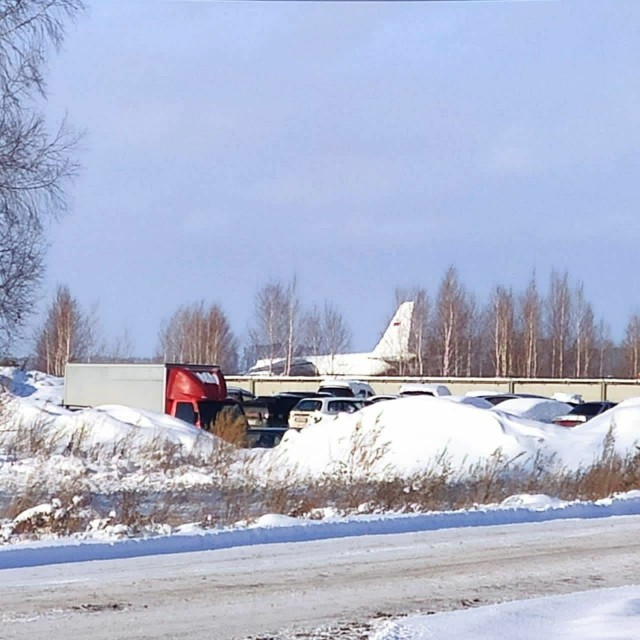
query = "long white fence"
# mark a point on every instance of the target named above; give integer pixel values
(611, 389)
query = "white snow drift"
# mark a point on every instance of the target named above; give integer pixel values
(398, 437)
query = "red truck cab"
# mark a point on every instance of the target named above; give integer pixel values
(195, 393)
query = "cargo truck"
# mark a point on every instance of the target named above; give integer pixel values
(193, 393)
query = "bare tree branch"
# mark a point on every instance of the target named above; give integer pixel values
(35, 164)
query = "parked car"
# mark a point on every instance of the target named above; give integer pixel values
(494, 398)
(273, 411)
(582, 413)
(264, 438)
(344, 388)
(497, 397)
(310, 410)
(424, 389)
(239, 394)
(381, 398)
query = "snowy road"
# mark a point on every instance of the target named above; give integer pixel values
(274, 590)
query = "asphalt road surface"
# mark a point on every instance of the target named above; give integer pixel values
(290, 590)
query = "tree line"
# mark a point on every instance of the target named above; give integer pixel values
(513, 333)
(197, 333)
(516, 333)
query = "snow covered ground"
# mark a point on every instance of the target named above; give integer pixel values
(604, 614)
(338, 589)
(402, 437)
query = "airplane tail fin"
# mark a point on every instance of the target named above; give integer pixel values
(394, 343)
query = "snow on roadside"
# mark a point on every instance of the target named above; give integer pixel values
(597, 615)
(103, 426)
(275, 528)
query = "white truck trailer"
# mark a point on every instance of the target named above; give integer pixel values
(193, 393)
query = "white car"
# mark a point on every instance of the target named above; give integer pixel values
(311, 410)
(424, 389)
(345, 388)
(382, 398)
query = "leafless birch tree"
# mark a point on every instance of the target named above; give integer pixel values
(450, 323)
(337, 333)
(68, 334)
(324, 332)
(419, 338)
(631, 346)
(470, 338)
(268, 334)
(502, 326)
(585, 334)
(419, 331)
(559, 319)
(199, 334)
(121, 349)
(605, 347)
(312, 335)
(275, 333)
(530, 316)
(292, 304)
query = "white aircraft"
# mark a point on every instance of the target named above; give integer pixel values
(392, 349)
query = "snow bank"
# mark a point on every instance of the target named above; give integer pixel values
(274, 528)
(38, 386)
(106, 426)
(406, 436)
(596, 615)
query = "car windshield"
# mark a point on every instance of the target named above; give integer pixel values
(338, 392)
(308, 405)
(417, 393)
(587, 409)
(495, 400)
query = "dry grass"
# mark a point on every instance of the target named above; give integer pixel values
(231, 428)
(366, 449)
(611, 473)
(19, 438)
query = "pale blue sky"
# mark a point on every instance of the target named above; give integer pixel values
(360, 146)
